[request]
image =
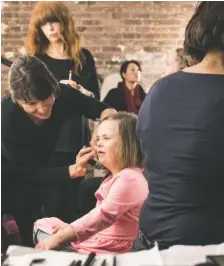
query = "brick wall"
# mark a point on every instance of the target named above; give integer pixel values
(113, 31)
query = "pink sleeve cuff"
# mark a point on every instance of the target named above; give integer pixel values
(79, 231)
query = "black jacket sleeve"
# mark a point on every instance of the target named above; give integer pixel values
(113, 98)
(73, 101)
(23, 171)
(20, 164)
(93, 84)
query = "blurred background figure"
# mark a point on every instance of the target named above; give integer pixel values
(129, 95)
(177, 60)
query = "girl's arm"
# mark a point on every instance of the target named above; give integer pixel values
(121, 198)
(63, 236)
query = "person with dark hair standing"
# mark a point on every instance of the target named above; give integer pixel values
(129, 95)
(53, 38)
(32, 116)
(181, 129)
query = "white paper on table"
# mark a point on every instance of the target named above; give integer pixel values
(141, 258)
(174, 256)
(22, 256)
(189, 255)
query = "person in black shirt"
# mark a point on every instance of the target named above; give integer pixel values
(181, 130)
(32, 116)
(53, 38)
(129, 95)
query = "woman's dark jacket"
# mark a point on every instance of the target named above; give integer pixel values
(116, 97)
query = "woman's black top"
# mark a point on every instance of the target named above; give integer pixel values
(75, 132)
(27, 148)
(116, 97)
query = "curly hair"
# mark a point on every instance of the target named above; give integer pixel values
(205, 30)
(184, 59)
(36, 42)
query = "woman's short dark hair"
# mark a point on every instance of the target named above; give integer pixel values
(30, 80)
(125, 64)
(205, 30)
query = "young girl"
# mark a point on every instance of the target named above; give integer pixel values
(112, 225)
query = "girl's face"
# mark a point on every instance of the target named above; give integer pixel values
(107, 142)
(52, 31)
(133, 73)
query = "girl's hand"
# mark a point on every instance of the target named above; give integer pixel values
(79, 168)
(50, 243)
(57, 228)
(66, 235)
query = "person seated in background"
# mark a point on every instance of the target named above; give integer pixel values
(181, 128)
(32, 115)
(129, 95)
(177, 60)
(112, 225)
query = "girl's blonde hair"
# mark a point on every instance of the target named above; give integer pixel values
(36, 42)
(128, 152)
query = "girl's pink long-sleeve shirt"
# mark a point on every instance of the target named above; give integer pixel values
(112, 225)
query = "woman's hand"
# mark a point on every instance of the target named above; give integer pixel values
(76, 86)
(85, 91)
(107, 112)
(72, 83)
(93, 141)
(79, 168)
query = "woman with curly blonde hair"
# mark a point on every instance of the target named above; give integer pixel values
(53, 38)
